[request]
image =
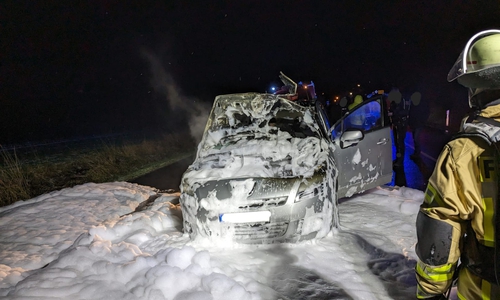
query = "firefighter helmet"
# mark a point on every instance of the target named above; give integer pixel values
(478, 66)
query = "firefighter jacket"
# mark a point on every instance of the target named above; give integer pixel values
(456, 220)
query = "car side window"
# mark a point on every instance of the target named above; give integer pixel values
(366, 118)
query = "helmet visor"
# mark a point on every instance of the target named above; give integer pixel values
(457, 69)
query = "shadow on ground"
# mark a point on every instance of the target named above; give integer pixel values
(396, 271)
(292, 282)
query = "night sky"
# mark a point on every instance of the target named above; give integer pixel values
(79, 68)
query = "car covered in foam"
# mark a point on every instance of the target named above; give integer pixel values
(267, 170)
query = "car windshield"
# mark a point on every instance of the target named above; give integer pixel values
(238, 120)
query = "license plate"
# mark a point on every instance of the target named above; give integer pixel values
(245, 217)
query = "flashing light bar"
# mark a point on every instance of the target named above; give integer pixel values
(245, 217)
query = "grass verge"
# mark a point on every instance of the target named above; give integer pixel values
(22, 178)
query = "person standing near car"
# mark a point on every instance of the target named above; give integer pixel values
(419, 113)
(358, 99)
(459, 219)
(399, 110)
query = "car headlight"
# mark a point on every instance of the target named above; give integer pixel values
(311, 187)
(309, 192)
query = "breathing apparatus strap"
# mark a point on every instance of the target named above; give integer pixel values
(496, 218)
(495, 277)
(488, 121)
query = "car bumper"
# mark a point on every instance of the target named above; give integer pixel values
(286, 221)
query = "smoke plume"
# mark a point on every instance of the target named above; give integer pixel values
(163, 84)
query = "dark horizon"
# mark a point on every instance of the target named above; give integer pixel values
(72, 69)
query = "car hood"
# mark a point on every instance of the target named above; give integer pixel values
(277, 159)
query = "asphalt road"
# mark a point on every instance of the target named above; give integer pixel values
(166, 178)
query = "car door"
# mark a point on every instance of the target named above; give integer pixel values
(363, 153)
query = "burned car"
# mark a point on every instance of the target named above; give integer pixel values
(269, 170)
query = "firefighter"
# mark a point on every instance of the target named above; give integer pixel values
(458, 221)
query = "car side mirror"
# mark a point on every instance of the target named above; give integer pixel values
(350, 138)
